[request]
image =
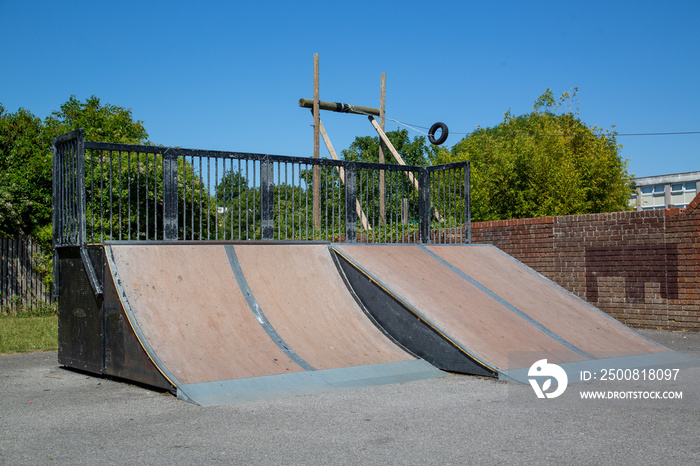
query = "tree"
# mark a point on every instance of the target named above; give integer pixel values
(25, 173)
(26, 162)
(547, 162)
(101, 122)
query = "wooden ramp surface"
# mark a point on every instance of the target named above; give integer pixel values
(565, 314)
(274, 323)
(188, 305)
(493, 307)
(309, 305)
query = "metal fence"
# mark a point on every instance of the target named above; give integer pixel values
(21, 284)
(123, 192)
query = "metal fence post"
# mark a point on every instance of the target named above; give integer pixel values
(81, 224)
(424, 206)
(468, 202)
(267, 195)
(170, 212)
(350, 201)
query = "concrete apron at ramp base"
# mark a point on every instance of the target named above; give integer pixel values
(491, 309)
(229, 323)
(306, 383)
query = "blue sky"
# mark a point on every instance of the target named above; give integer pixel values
(227, 75)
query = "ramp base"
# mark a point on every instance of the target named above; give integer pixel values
(305, 383)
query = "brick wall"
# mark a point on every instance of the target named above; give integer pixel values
(641, 267)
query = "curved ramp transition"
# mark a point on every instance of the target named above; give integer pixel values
(226, 323)
(496, 315)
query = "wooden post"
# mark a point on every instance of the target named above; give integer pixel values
(341, 172)
(382, 121)
(392, 149)
(317, 148)
(404, 211)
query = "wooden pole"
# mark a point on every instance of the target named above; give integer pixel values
(392, 149)
(382, 122)
(339, 107)
(341, 172)
(317, 169)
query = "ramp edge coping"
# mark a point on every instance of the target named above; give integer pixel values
(414, 311)
(258, 312)
(131, 319)
(508, 305)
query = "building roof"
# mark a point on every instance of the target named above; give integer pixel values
(663, 179)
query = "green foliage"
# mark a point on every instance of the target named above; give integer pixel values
(25, 173)
(35, 308)
(101, 122)
(26, 161)
(26, 197)
(366, 149)
(547, 162)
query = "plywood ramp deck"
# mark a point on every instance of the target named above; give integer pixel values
(227, 323)
(192, 313)
(494, 307)
(566, 315)
(299, 289)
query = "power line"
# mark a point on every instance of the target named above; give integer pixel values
(673, 133)
(414, 128)
(658, 134)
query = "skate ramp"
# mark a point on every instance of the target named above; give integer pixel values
(491, 309)
(226, 323)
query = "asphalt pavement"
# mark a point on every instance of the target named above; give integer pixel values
(52, 415)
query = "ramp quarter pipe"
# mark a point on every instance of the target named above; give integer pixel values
(224, 322)
(490, 309)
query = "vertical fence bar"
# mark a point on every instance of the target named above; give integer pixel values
(424, 207)
(120, 196)
(350, 200)
(267, 193)
(467, 202)
(80, 188)
(170, 211)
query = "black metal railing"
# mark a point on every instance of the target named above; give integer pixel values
(122, 192)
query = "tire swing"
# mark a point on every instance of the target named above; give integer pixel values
(443, 135)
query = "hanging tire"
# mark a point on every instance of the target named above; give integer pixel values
(443, 135)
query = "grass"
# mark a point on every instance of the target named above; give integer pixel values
(28, 334)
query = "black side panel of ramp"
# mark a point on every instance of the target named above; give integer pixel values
(124, 356)
(407, 328)
(79, 315)
(94, 335)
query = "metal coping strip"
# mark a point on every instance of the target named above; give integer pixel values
(505, 303)
(258, 312)
(564, 290)
(131, 318)
(179, 242)
(414, 311)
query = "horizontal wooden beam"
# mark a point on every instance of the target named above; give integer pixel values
(339, 107)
